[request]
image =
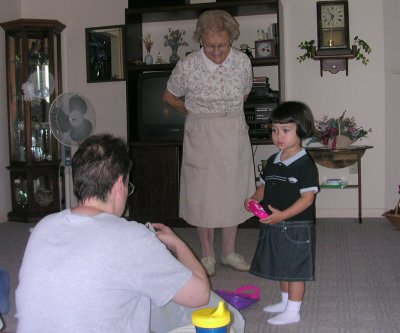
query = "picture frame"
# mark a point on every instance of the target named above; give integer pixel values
(105, 53)
(264, 48)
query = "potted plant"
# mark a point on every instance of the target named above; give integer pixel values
(309, 47)
(148, 43)
(338, 132)
(359, 47)
(174, 39)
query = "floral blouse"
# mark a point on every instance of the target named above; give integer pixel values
(212, 88)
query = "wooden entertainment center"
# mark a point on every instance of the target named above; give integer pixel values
(156, 169)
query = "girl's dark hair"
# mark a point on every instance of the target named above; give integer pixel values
(97, 164)
(297, 113)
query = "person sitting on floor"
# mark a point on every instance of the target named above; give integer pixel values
(4, 293)
(86, 269)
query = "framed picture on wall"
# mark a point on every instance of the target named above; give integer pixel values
(264, 48)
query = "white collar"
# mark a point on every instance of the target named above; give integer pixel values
(212, 66)
(290, 160)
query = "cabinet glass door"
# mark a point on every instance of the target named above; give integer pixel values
(15, 98)
(33, 60)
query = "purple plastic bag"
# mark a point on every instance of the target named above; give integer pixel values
(242, 297)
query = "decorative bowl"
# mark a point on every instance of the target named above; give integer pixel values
(393, 217)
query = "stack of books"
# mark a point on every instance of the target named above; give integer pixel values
(334, 183)
(260, 86)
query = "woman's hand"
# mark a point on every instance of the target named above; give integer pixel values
(174, 101)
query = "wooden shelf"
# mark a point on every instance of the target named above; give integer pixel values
(337, 158)
(341, 158)
(140, 67)
(334, 61)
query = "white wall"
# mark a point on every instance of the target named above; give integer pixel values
(369, 93)
(391, 10)
(361, 93)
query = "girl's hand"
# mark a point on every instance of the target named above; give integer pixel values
(275, 217)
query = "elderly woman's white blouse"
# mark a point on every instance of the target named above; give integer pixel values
(210, 88)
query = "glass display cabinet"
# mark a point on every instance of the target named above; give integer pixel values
(33, 62)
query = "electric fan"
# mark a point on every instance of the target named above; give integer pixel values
(72, 118)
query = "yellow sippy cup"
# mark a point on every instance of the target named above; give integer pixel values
(212, 320)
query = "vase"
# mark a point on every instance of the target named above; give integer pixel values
(173, 59)
(148, 59)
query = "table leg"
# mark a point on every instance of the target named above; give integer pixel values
(359, 190)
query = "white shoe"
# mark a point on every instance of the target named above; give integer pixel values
(209, 265)
(236, 261)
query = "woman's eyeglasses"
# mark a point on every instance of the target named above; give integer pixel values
(219, 47)
(131, 188)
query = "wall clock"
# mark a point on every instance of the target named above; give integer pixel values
(333, 28)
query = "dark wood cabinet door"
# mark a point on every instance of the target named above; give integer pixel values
(155, 173)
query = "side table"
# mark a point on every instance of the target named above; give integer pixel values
(341, 158)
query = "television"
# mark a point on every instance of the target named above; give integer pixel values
(156, 120)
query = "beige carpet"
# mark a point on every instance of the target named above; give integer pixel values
(357, 287)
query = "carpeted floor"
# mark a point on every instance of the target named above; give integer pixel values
(357, 287)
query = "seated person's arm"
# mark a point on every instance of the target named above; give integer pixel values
(196, 292)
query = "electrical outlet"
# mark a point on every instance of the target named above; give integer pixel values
(353, 169)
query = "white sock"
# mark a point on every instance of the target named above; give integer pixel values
(289, 316)
(278, 307)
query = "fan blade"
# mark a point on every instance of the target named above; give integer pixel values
(77, 103)
(81, 132)
(62, 120)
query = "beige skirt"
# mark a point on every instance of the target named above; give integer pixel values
(217, 172)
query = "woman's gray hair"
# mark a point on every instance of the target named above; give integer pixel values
(216, 21)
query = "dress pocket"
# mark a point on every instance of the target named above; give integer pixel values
(298, 234)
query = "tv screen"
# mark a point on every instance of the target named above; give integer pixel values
(157, 121)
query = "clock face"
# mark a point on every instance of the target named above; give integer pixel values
(332, 16)
(264, 49)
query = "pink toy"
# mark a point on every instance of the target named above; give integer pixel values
(257, 209)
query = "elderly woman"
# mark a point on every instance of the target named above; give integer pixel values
(210, 85)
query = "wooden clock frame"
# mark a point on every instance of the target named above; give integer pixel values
(324, 49)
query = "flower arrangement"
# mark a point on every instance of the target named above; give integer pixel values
(174, 38)
(148, 43)
(331, 128)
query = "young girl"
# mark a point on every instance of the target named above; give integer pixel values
(286, 244)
